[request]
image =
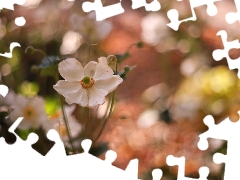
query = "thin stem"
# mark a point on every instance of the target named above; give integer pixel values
(87, 123)
(94, 118)
(66, 124)
(131, 46)
(106, 120)
(110, 111)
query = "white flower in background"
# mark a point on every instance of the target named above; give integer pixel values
(8, 99)
(31, 109)
(91, 29)
(71, 42)
(155, 31)
(55, 121)
(148, 118)
(86, 86)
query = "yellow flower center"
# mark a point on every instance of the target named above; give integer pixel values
(29, 112)
(87, 82)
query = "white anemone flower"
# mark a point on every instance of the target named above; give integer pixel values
(31, 109)
(55, 121)
(86, 86)
(93, 31)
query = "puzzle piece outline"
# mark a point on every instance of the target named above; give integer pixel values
(216, 131)
(220, 54)
(180, 162)
(173, 14)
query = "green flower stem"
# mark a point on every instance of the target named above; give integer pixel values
(106, 120)
(110, 112)
(87, 124)
(135, 44)
(67, 126)
(91, 123)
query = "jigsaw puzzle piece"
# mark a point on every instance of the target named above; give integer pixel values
(110, 156)
(219, 54)
(86, 145)
(10, 4)
(231, 170)
(3, 90)
(103, 12)
(180, 162)
(157, 174)
(232, 17)
(24, 147)
(216, 131)
(173, 14)
(153, 6)
(58, 149)
(12, 46)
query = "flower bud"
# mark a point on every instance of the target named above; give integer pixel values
(126, 69)
(30, 50)
(111, 59)
(140, 45)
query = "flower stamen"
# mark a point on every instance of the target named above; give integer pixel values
(87, 82)
(28, 112)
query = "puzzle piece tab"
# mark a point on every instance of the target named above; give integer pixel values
(173, 14)
(180, 162)
(224, 53)
(153, 6)
(232, 17)
(12, 46)
(229, 131)
(9, 4)
(103, 12)
(58, 149)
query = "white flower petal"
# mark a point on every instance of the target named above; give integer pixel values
(16, 113)
(78, 97)
(69, 109)
(24, 124)
(102, 72)
(109, 84)
(74, 126)
(71, 69)
(103, 60)
(65, 86)
(96, 96)
(20, 102)
(90, 68)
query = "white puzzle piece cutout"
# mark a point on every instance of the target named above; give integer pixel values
(56, 165)
(9, 4)
(232, 17)
(3, 90)
(28, 163)
(180, 162)
(58, 149)
(103, 12)
(229, 131)
(153, 6)
(219, 54)
(173, 14)
(12, 46)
